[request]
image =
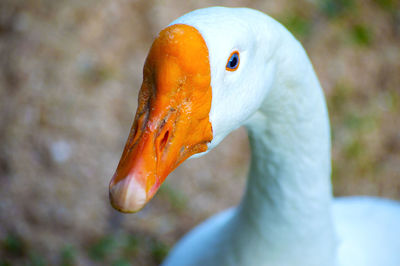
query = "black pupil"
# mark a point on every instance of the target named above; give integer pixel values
(233, 61)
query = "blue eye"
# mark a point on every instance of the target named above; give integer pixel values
(233, 61)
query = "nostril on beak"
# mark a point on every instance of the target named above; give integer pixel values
(164, 141)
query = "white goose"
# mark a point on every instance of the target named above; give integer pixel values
(211, 71)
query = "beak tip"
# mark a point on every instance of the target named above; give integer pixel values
(127, 195)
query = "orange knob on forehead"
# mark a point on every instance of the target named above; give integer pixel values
(172, 118)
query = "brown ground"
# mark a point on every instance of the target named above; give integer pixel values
(69, 77)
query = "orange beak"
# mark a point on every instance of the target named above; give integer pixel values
(172, 118)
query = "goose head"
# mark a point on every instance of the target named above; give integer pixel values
(204, 76)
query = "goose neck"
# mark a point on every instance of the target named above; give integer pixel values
(288, 199)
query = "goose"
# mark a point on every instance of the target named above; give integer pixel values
(208, 73)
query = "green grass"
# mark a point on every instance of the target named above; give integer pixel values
(340, 95)
(131, 245)
(336, 8)
(4, 262)
(354, 119)
(159, 251)
(35, 259)
(102, 248)
(120, 250)
(354, 149)
(389, 5)
(300, 26)
(361, 34)
(14, 245)
(114, 250)
(68, 255)
(176, 198)
(394, 101)
(121, 262)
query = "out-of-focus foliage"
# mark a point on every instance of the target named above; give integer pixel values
(69, 76)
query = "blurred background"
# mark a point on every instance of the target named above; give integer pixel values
(69, 77)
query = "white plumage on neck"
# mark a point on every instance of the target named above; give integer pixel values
(288, 197)
(285, 217)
